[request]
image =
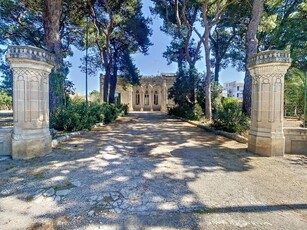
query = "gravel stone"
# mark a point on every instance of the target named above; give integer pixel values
(49, 192)
(91, 213)
(63, 192)
(155, 172)
(76, 183)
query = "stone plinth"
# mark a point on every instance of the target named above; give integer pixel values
(266, 135)
(5, 141)
(296, 140)
(31, 67)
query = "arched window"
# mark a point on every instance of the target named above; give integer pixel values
(146, 101)
(137, 97)
(156, 98)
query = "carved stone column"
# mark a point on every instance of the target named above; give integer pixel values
(142, 94)
(131, 95)
(151, 98)
(164, 97)
(31, 67)
(266, 135)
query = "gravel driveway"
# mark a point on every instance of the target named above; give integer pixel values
(150, 171)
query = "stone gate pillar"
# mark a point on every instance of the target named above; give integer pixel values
(31, 67)
(268, 69)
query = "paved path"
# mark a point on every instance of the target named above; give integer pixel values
(148, 171)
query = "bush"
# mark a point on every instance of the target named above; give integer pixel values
(188, 112)
(77, 115)
(229, 117)
(5, 100)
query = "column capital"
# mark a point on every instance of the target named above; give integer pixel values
(31, 57)
(269, 57)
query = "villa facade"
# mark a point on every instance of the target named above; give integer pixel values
(150, 95)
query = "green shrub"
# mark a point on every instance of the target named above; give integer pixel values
(5, 100)
(188, 112)
(229, 117)
(198, 112)
(77, 115)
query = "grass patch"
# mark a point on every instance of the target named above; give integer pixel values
(21, 176)
(29, 198)
(37, 174)
(67, 185)
(3, 181)
(9, 167)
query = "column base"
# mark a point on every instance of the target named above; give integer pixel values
(266, 146)
(30, 148)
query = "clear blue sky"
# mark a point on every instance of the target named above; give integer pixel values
(151, 64)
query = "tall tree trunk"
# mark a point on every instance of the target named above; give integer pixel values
(107, 65)
(106, 84)
(205, 40)
(208, 111)
(217, 70)
(52, 16)
(192, 81)
(251, 49)
(113, 79)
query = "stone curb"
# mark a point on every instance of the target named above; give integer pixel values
(233, 136)
(59, 140)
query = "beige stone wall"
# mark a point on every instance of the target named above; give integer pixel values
(295, 140)
(149, 86)
(6, 141)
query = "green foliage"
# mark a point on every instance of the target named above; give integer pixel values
(283, 27)
(227, 40)
(5, 101)
(77, 115)
(188, 112)
(216, 96)
(95, 96)
(294, 93)
(22, 23)
(183, 89)
(119, 30)
(6, 75)
(229, 117)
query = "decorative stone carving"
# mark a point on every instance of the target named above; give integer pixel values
(267, 69)
(31, 67)
(142, 97)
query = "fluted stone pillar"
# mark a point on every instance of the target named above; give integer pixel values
(31, 67)
(142, 94)
(266, 135)
(164, 97)
(130, 106)
(151, 100)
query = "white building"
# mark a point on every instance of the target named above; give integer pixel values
(233, 89)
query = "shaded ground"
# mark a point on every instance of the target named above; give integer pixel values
(147, 171)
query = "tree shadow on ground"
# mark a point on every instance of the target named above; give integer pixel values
(136, 172)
